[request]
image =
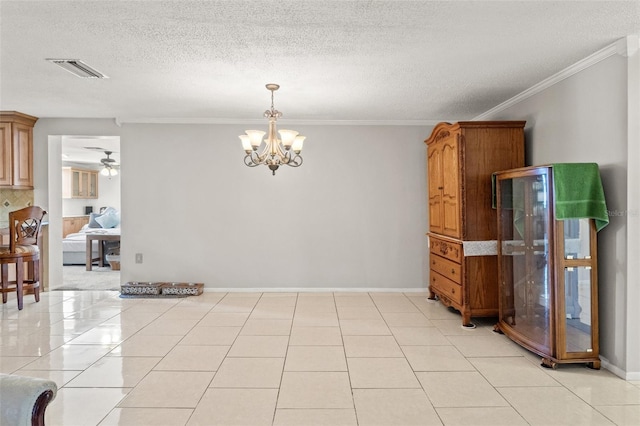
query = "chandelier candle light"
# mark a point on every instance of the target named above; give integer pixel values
(275, 152)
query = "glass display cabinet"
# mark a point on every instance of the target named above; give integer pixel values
(548, 295)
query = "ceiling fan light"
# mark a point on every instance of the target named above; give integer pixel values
(113, 172)
(104, 171)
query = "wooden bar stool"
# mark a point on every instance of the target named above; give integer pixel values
(24, 233)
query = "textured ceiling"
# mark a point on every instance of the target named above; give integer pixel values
(334, 60)
(90, 149)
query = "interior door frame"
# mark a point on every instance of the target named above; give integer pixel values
(54, 210)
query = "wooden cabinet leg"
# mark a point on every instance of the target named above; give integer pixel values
(548, 363)
(466, 320)
(432, 295)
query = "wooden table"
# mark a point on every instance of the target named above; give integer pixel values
(101, 238)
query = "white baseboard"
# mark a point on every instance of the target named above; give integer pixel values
(314, 290)
(626, 375)
(635, 376)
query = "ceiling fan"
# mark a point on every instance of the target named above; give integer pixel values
(108, 163)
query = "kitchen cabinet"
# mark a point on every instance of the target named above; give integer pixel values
(73, 224)
(79, 183)
(16, 150)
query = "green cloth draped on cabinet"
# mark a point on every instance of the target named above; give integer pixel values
(579, 193)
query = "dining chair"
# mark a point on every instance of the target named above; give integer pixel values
(24, 234)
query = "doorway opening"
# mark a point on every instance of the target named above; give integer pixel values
(90, 210)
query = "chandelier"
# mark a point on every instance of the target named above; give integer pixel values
(273, 152)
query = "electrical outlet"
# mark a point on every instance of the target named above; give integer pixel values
(138, 257)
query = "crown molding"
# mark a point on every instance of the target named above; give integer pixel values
(150, 120)
(633, 44)
(621, 47)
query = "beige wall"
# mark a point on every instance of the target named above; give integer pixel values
(352, 216)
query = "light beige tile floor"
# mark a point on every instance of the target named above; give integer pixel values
(298, 359)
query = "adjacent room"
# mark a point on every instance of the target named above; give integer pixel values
(320, 213)
(90, 206)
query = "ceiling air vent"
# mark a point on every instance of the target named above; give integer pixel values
(78, 68)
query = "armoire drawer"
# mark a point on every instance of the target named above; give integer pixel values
(447, 249)
(446, 268)
(446, 287)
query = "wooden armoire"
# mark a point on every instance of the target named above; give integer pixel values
(461, 158)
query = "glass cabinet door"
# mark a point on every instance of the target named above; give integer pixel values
(75, 182)
(84, 184)
(525, 235)
(93, 185)
(578, 330)
(578, 323)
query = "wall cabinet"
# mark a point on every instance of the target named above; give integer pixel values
(16, 150)
(79, 183)
(461, 158)
(547, 271)
(73, 224)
